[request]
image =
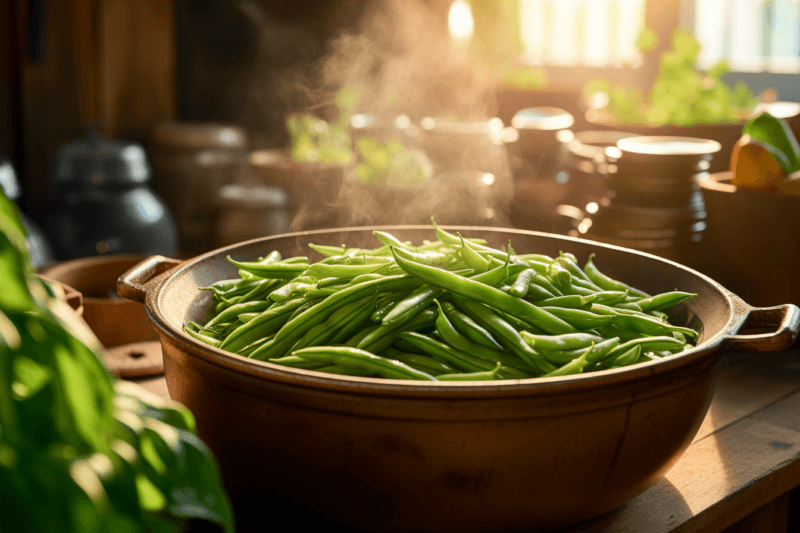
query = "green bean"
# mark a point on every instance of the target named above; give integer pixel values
(504, 332)
(663, 301)
(578, 318)
(569, 341)
(456, 358)
(235, 310)
(452, 337)
(609, 297)
(259, 291)
(473, 259)
(353, 323)
(327, 251)
(247, 350)
(409, 306)
(356, 339)
(518, 324)
(471, 376)
(537, 293)
(483, 293)
(522, 284)
(289, 291)
(545, 283)
(627, 358)
(355, 358)
(649, 344)
(421, 362)
(382, 337)
(322, 333)
(574, 367)
(266, 323)
(570, 263)
(559, 275)
(607, 283)
(297, 362)
(469, 328)
(211, 341)
(598, 353)
(320, 270)
(272, 270)
(570, 301)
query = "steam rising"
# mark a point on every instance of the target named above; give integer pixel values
(404, 63)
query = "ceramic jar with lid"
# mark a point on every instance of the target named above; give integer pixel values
(191, 161)
(102, 202)
(654, 202)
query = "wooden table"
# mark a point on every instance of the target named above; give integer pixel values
(738, 472)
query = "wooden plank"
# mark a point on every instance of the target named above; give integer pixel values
(749, 382)
(721, 479)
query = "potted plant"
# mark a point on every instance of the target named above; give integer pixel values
(683, 101)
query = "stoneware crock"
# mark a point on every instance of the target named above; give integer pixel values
(534, 454)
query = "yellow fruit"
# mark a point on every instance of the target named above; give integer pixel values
(753, 165)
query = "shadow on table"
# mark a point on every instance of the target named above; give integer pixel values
(638, 514)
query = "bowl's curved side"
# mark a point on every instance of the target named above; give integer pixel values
(438, 464)
(533, 454)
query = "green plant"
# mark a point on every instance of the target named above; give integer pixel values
(79, 452)
(681, 94)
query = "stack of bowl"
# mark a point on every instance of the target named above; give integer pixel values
(654, 199)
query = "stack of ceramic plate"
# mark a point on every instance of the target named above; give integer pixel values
(654, 202)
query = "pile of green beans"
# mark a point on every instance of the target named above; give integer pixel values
(452, 309)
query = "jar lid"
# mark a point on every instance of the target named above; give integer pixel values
(668, 146)
(96, 160)
(542, 118)
(251, 196)
(196, 134)
(8, 179)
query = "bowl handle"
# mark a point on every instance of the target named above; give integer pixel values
(133, 283)
(786, 318)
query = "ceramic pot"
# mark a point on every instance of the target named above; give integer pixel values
(389, 455)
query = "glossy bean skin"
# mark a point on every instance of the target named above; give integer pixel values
(485, 294)
(472, 376)
(504, 333)
(355, 358)
(452, 337)
(607, 283)
(469, 328)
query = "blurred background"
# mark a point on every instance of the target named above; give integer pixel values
(137, 127)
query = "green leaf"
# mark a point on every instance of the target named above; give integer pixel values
(347, 98)
(719, 69)
(647, 40)
(776, 133)
(30, 377)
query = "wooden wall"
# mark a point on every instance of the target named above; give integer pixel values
(105, 62)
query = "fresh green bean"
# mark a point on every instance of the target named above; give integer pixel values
(607, 283)
(469, 328)
(471, 376)
(355, 358)
(483, 293)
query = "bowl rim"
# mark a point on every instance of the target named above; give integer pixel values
(263, 370)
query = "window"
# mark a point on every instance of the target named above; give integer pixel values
(593, 33)
(753, 35)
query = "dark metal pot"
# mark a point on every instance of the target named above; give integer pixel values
(388, 455)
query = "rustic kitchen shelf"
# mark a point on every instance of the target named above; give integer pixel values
(738, 471)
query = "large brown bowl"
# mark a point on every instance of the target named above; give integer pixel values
(390, 455)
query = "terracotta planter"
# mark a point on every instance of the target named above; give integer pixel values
(533, 454)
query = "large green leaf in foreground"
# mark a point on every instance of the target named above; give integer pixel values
(78, 452)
